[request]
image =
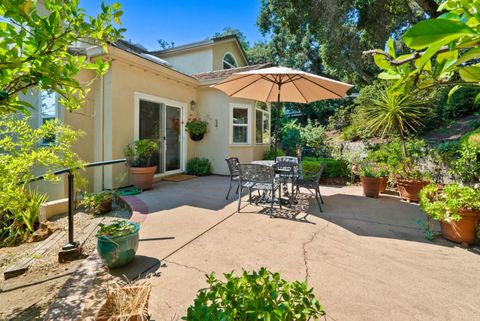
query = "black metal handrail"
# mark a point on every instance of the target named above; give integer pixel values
(71, 245)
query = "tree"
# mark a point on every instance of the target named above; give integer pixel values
(445, 51)
(229, 31)
(333, 34)
(165, 44)
(35, 49)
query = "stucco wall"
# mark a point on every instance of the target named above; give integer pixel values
(214, 106)
(126, 80)
(219, 50)
(191, 62)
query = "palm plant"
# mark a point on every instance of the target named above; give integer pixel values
(395, 114)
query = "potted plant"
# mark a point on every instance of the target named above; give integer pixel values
(98, 203)
(196, 127)
(382, 173)
(456, 207)
(370, 179)
(410, 180)
(138, 157)
(117, 242)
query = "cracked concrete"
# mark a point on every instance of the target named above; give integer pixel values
(365, 258)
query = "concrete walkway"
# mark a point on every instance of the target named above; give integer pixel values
(366, 258)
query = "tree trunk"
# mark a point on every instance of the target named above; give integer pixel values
(404, 145)
(429, 6)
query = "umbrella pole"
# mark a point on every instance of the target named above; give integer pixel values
(277, 121)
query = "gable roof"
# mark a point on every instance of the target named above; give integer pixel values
(224, 73)
(199, 44)
(138, 51)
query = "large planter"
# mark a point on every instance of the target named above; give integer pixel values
(409, 189)
(463, 231)
(142, 177)
(383, 184)
(196, 137)
(116, 251)
(371, 186)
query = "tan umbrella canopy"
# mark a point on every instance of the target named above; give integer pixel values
(282, 84)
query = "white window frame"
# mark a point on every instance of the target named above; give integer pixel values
(269, 113)
(248, 107)
(231, 55)
(41, 117)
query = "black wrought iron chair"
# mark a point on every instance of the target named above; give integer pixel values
(232, 163)
(288, 167)
(261, 178)
(311, 182)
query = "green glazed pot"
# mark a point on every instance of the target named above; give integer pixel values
(117, 251)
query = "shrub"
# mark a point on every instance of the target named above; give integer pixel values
(313, 136)
(467, 166)
(96, 203)
(261, 295)
(445, 204)
(333, 167)
(140, 152)
(270, 154)
(198, 166)
(291, 137)
(22, 157)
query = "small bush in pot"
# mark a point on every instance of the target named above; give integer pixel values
(139, 155)
(456, 207)
(198, 166)
(117, 242)
(369, 176)
(196, 127)
(98, 203)
(261, 295)
(410, 180)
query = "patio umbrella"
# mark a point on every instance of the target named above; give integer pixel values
(282, 84)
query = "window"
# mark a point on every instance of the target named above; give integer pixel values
(262, 124)
(48, 111)
(240, 124)
(229, 61)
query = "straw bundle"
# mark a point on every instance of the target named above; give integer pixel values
(126, 303)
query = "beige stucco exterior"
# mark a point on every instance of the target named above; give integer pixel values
(109, 117)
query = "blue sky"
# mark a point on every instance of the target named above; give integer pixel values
(182, 22)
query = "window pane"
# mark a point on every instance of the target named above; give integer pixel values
(240, 134)
(240, 116)
(258, 126)
(229, 62)
(266, 128)
(48, 104)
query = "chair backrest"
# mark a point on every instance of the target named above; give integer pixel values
(256, 173)
(315, 177)
(286, 159)
(232, 163)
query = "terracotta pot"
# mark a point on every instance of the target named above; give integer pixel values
(196, 137)
(409, 189)
(383, 184)
(142, 177)
(371, 186)
(463, 231)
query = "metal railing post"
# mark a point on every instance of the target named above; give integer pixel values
(71, 207)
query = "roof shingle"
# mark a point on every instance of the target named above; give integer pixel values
(224, 73)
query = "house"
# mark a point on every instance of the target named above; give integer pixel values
(150, 95)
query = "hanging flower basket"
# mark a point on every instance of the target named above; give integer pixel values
(196, 127)
(196, 137)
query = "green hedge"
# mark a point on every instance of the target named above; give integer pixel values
(198, 166)
(334, 167)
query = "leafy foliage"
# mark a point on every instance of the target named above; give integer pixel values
(97, 203)
(140, 152)
(313, 136)
(116, 229)
(196, 126)
(444, 204)
(22, 157)
(261, 295)
(333, 167)
(198, 166)
(467, 166)
(290, 137)
(34, 49)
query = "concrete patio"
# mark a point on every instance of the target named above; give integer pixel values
(365, 258)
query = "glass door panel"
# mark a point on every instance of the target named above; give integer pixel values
(173, 142)
(151, 127)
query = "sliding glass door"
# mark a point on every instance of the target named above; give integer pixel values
(162, 123)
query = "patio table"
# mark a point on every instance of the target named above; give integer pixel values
(286, 170)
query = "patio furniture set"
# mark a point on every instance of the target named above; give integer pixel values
(270, 178)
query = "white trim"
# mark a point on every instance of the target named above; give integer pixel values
(248, 107)
(183, 114)
(269, 112)
(234, 59)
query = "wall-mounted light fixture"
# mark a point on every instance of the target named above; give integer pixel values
(193, 105)
(216, 123)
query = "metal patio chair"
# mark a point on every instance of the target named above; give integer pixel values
(232, 163)
(288, 167)
(261, 178)
(311, 182)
